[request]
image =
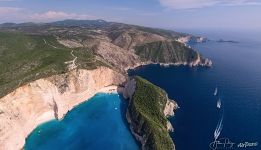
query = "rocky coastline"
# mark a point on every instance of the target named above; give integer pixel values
(55, 96)
(205, 62)
(82, 74)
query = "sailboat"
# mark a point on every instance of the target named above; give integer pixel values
(216, 91)
(219, 103)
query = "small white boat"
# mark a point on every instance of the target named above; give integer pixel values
(219, 103)
(216, 91)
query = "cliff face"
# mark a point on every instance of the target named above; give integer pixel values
(46, 99)
(170, 52)
(148, 108)
(115, 56)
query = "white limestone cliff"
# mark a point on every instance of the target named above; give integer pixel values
(49, 98)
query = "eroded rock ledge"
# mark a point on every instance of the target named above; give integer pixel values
(149, 107)
(42, 100)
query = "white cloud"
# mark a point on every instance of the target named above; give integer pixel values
(13, 14)
(9, 10)
(192, 4)
(58, 15)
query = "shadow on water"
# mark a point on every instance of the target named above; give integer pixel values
(123, 107)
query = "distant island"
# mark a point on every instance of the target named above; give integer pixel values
(227, 41)
(47, 69)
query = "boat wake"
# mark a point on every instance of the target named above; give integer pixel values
(216, 91)
(219, 125)
(219, 103)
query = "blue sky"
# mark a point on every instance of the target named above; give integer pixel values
(212, 14)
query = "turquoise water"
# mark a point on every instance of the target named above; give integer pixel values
(97, 124)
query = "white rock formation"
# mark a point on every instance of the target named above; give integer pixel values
(169, 111)
(170, 107)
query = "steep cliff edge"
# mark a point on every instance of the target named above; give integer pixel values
(46, 99)
(170, 52)
(149, 107)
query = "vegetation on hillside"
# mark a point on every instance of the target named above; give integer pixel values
(146, 113)
(29, 51)
(166, 52)
(24, 58)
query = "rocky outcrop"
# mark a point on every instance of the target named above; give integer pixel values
(169, 112)
(115, 55)
(205, 62)
(170, 107)
(200, 61)
(46, 99)
(191, 39)
(129, 88)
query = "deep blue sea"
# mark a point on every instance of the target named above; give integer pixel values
(236, 74)
(98, 124)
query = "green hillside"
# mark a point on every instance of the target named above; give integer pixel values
(24, 58)
(166, 52)
(146, 112)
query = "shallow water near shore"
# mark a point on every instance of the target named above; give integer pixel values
(98, 124)
(237, 75)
